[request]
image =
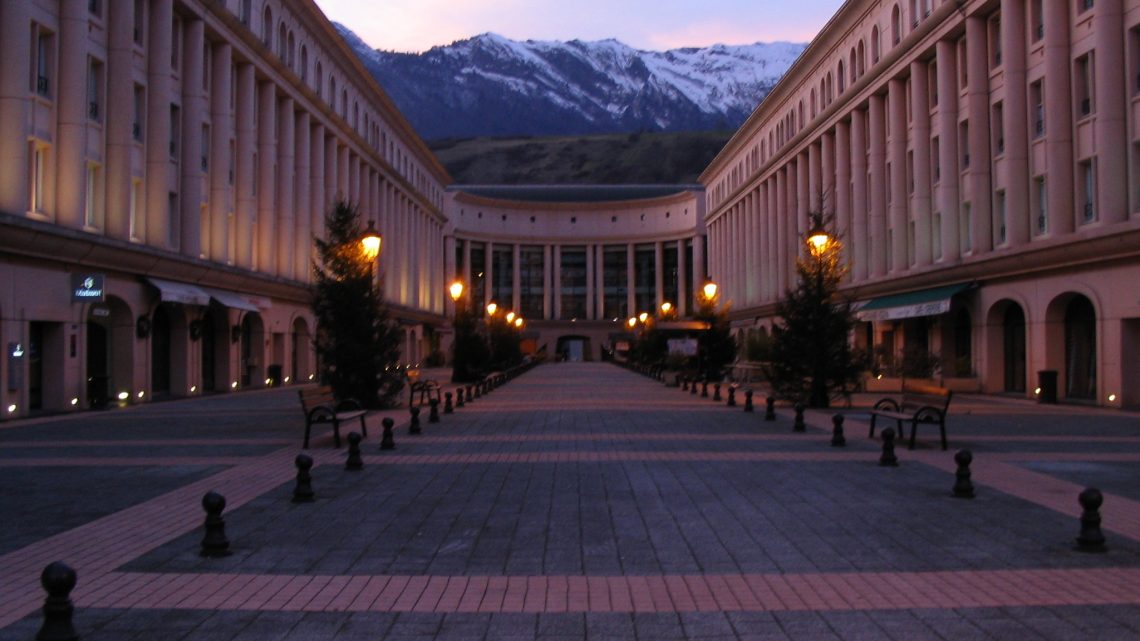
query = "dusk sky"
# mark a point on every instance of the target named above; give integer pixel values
(418, 25)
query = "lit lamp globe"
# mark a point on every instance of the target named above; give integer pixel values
(510, 317)
(456, 290)
(710, 290)
(818, 238)
(370, 242)
(492, 308)
(632, 322)
(666, 307)
(643, 317)
(519, 322)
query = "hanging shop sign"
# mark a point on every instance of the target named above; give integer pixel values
(87, 288)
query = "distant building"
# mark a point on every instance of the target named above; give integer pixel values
(165, 164)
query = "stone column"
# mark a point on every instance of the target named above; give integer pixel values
(948, 194)
(286, 177)
(815, 181)
(920, 202)
(318, 201)
(303, 215)
(71, 112)
(158, 213)
(877, 249)
(222, 163)
(898, 225)
(1111, 133)
(803, 207)
(699, 275)
(782, 216)
(555, 293)
(771, 264)
(193, 115)
(857, 246)
(600, 274)
(266, 178)
(245, 178)
(842, 188)
(119, 116)
(659, 272)
(592, 311)
(516, 279)
(1060, 203)
(683, 294)
(15, 33)
(1014, 114)
(750, 241)
(978, 104)
(630, 280)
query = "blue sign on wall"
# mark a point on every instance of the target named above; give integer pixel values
(87, 288)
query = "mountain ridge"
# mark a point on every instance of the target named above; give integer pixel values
(489, 85)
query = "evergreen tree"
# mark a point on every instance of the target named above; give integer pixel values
(471, 358)
(810, 354)
(715, 346)
(358, 345)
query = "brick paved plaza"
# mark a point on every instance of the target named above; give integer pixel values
(580, 501)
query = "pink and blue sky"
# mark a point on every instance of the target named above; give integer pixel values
(418, 25)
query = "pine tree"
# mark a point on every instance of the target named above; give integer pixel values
(811, 356)
(715, 346)
(358, 345)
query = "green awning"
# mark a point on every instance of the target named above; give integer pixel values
(926, 302)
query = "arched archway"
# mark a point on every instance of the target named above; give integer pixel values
(214, 345)
(110, 350)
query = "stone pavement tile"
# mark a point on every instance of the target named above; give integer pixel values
(48, 504)
(1122, 479)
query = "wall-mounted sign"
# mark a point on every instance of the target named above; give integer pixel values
(87, 288)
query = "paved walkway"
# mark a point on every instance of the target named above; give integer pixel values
(580, 501)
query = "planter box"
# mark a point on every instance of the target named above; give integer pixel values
(893, 384)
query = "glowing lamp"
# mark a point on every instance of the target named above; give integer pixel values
(456, 290)
(370, 242)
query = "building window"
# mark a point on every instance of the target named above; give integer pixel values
(572, 287)
(995, 41)
(1084, 5)
(1037, 19)
(175, 40)
(136, 205)
(932, 83)
(38, 178)
(874, 44)
(267, 28)
(1000, 234)
(94, 90)
(670, 277)
(614, 283)
(245, 13)
(304, 64)
(1037, 104)
(1040, 208)
(45, 61)
(896, 26)
(935, 160)
(964, 143)
(645, 278)
(138, 30)
(1086, 170)
(997, 126)
(95, 8)
(966, 228)
(910, 172)
(532, 273)
(93, 198)
(936, 235)
(502, 275)
(205, 163)
(139, 113)
(175, 127)
(1083, 85)
(282, 42)
(478, 278)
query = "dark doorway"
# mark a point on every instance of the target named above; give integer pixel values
(209, 355)
(98, 361)
(1080, 349)
(160, 352)
(1013, 348)
(35, 366)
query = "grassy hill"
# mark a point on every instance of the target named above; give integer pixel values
(639, 158)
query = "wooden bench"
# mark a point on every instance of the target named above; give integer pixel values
(919, 404)
(320, 406)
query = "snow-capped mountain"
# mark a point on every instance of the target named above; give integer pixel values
(491, 85)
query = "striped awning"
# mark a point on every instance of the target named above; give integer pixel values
(926, 302)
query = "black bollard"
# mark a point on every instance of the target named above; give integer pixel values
(459, 397)
(58, 580)
(414, 426)
(1091, 539)
(798, 423)
(837, 438)
(770, 409)
(693, 388)
(731, 402)
(470, 393)
(354, 462)
(388, 441)
(747, 400)
(433, 414)
(888, 458)
(303, 492)
(716, 392)
(447, 407)
(704, 389)
(214, 543)
(684, 384)
(963, 488)
(478, 390)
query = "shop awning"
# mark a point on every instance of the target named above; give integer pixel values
(926, 302)
(230, 299)
(185, 293)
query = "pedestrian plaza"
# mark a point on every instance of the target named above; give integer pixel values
(578, 501)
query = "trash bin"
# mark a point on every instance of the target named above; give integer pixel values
(1047, 386)
(274, 375)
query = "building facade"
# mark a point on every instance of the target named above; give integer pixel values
(980, 160)
(166, 164)
(577, 262)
